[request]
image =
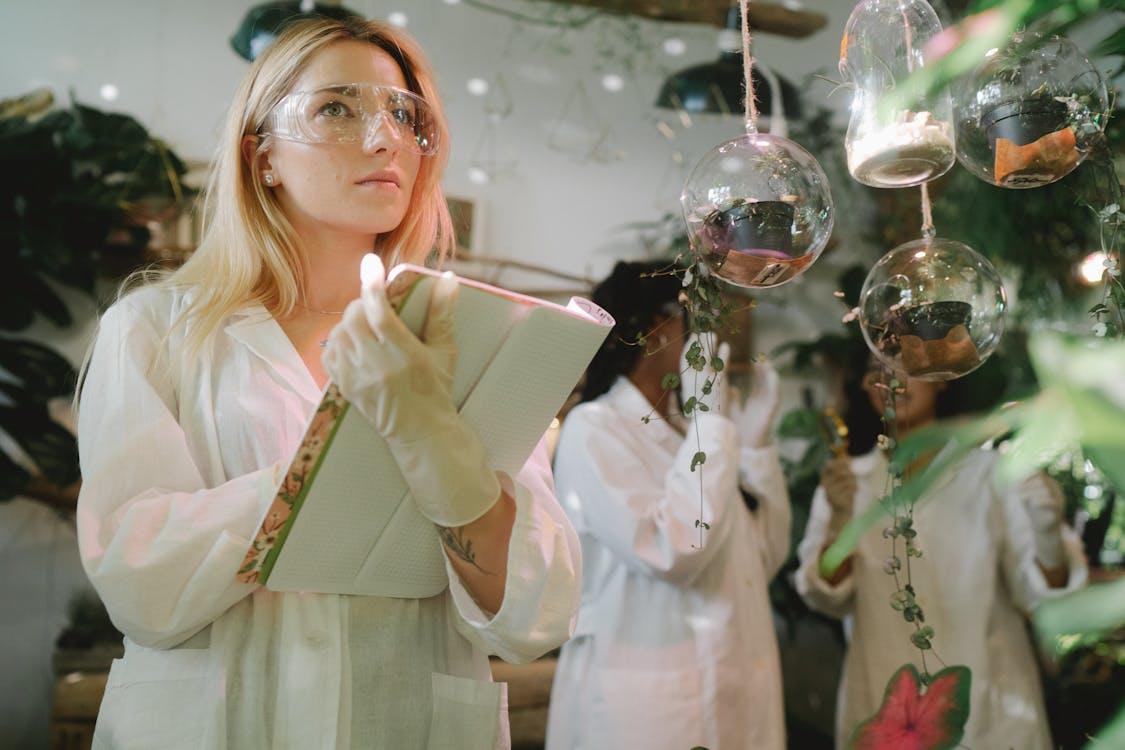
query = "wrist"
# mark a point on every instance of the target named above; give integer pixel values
(449, 475)
(837, 521)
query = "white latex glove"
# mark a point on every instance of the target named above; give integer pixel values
(839, 486)
(1045, 506)
(692, 381)
(756, 416)
(401, 385)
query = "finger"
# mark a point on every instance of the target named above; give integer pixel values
(341, 343)
(724, 353)
(765, 379)
(708, 341)
(378, 312)
(439, 316)
(338, 342)
(440, 321)
(372, 271)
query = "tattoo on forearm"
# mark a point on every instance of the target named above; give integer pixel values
(461, 546)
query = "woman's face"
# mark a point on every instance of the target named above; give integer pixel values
(362, 187)
(665, 345)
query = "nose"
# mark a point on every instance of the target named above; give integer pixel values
(381, 134)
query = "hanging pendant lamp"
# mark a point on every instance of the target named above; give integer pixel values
(718, 87)
(264, 22)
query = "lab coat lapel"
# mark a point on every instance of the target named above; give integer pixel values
(259, 332)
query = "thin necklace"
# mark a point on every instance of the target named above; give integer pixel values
(323, 342)
(320, 312)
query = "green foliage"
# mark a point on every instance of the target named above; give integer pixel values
(1038, 234)
(77, 186)
(968, 42)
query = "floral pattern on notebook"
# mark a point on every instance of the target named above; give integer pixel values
(293, 484)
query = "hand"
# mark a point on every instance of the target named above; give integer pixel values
(755, 418)
(839, 487)
(1045, 505)
(693, 381)
(401, 383)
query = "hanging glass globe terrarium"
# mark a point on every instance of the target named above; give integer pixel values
(758, 210)
(932, 309)
(900, 146)
(1028, 115)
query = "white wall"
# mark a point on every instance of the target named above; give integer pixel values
(174, 70)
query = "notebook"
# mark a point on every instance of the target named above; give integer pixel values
(343, 521)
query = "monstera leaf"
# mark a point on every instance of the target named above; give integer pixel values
(35, 376)
(76, 187)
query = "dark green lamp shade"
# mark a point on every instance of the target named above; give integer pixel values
(717, 87)
(264, 22)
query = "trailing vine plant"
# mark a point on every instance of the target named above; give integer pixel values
(709, 309)
(905, 598)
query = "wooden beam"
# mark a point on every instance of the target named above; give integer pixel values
(770, 18)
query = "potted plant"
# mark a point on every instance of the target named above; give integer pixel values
(79, 187)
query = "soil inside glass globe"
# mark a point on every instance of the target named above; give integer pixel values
(934, 320)
(1032, 144)
(933, 340)
(910, 152)
(755, 269)
(759, 227)
(750, 243)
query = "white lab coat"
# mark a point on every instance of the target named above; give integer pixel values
(976, 581)
(179, 467)
(675, 645)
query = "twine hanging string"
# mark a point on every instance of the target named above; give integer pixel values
(909, 38)
(747, 71)
(928, 230)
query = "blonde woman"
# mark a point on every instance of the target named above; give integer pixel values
(200, 386)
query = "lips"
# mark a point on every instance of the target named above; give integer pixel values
(380, 177)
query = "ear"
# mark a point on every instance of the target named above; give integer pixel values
(249, 149)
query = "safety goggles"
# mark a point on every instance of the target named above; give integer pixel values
(355, 113)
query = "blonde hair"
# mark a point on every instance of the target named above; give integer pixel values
(250, 253)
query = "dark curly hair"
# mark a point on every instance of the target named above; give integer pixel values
(636, 300)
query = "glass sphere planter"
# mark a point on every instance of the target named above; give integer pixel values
(904, 146)
(758, 210)
(1028, 114)
(932, 309)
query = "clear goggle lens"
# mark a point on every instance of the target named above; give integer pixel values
(350, 113)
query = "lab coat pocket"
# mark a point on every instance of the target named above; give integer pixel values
(644, 708)
(468, 714)
(155, 699)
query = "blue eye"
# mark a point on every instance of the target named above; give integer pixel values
(335, 109)
(403, 115)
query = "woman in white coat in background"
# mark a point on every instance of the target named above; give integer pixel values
(201, 385)
(990, 555)
(675, 645)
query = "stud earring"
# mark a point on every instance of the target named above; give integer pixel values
(268, 178)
